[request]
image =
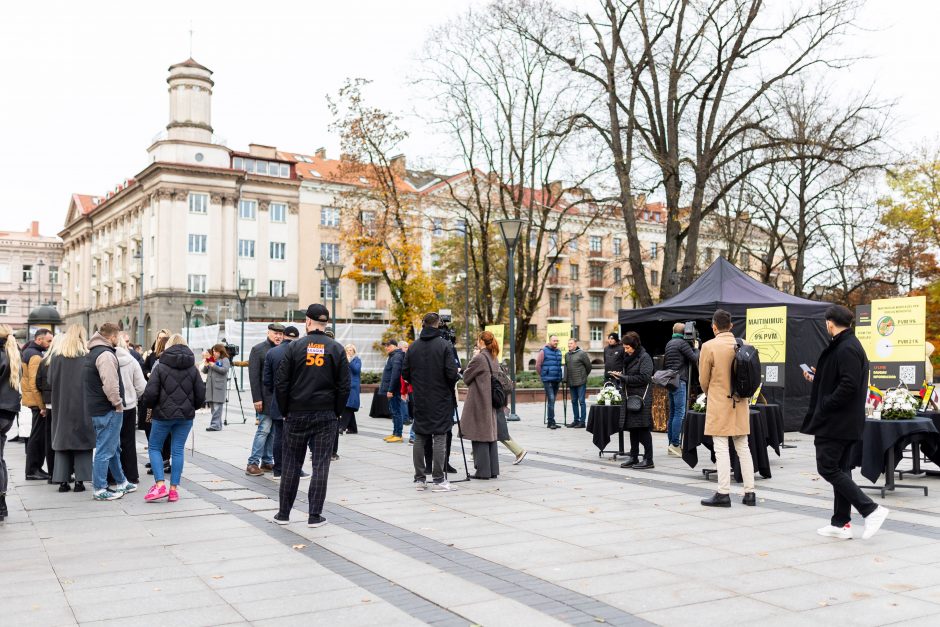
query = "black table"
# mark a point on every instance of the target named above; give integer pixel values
(772, 414)
(603, 421)
(882, 444)
(928, 449)
(760, 437)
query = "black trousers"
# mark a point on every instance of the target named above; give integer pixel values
(129, 447)
(39, 447)
(316, 430)
(277, 428)
(833, 465)
(347, 423)
(644, 437)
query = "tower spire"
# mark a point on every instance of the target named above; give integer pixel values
(190, 39)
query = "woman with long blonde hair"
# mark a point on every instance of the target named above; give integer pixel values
(73, 434)
(11, 366)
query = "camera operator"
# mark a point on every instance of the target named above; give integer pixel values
(431, 368)
(679, 355)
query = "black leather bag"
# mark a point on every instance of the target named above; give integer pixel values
(635, 403)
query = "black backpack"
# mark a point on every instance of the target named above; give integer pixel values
(496, 388)
(745, 371)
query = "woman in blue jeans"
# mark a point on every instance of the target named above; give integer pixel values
(174, 392)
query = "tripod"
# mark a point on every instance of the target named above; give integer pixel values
(463, 452)
(228, 387)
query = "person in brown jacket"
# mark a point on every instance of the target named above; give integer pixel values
(478, 422)
(39, 446)
(725, 415)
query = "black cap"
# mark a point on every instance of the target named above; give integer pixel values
(318, 313)
(276, 326)
(390, 342)
(291, 331)
(614, 337)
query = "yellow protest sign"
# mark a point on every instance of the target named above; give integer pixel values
(896, 347)
(499, 333)
(766, 330)
(563, 331)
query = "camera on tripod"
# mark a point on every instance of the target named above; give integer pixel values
(231, 349)
(690, 333)
(445, 330)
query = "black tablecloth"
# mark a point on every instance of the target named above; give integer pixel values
(693, 435)
(603, 422)
(379, 408)
(772, 415)
(880, 435)
(930, 448)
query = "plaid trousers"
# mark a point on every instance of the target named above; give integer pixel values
(319, 430)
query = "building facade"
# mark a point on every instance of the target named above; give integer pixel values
(30, 273)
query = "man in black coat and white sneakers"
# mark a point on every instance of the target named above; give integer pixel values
(836, 418)
(431, 368)
(311, 387)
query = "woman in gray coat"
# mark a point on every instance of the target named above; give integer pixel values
(73, 435)
(216, 366)
(478, 422)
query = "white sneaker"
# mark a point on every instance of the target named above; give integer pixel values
(443, 487)
(674, 451)
(521, 457)
(874, 521)
(831, 531)
(421, 486)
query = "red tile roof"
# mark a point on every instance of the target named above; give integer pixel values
(86, 202)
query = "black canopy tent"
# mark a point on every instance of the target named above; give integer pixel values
(723, 286)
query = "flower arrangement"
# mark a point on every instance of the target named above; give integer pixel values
(609, 395)
(699, 404)
(898, 404)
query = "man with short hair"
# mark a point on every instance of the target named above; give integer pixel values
(431, 367)
(272, 360)
(391, 388)
(548, 365)
(726, 416)
(104, 402)
(613, 358)
(311, 387)
(836, 419)
(260, 460)
(39, 446)
(679, 356)
(577, 368)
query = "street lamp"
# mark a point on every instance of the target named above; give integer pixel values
(818, 291)
(332, 271)
(575, 309)
(466, 281)
(188, 310)
(139, 258)
(242, 294)
(510, 230)
(41, 264)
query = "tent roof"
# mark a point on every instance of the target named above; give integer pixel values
(722, 286)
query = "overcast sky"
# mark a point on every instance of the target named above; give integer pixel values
(84, 83)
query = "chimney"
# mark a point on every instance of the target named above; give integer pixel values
(34, 228)
(398, 161)
(260, 150)
(320, 153)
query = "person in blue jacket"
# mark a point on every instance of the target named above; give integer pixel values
(347, 421)
(548, 365)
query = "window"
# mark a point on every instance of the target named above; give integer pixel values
(618, 303)
(284, 171)
(278, 250)
(573, 245)
(654, 250)
(197, 284)
(618, 275)
(27, 274)
(597, 304)
(153, 245)
(654, 277)
(238, 163)
(3, 307)
(4, 273)
(329, 217)
(553, 301)
(326, 289)
(53, 275)
(246, 248)
(366, 291)
(329, 252)
(197, 243)
(597, 272)
(366, 217)
(574, 272)
(278, 212)
(437, 227)
(597, 333)
(247, 209)
(595, 243)
(461, 226)
(745, 260)
(261, 167)
(277, 289)
(198, 203)
(248, 284)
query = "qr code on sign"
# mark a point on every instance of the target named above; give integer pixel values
(907, 375)
(772, 374)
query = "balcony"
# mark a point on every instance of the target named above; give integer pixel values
(597, 256)
(597, 285)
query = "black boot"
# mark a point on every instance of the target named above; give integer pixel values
(65, 487)
(750, 499)
(630, 463)
(3, 506)
(646, 464)
(79, 486)
(717, 500)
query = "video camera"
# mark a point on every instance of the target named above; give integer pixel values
(690, 333)
(446, 332)
(231, 349)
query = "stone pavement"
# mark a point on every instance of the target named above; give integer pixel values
(564, 538)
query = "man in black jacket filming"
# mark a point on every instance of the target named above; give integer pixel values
(836, 418)
(679, 356)
(311, 387)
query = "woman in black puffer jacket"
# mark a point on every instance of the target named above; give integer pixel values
(11, 368)
(174, 392)
(636, 378)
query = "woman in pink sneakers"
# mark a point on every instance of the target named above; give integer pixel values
(174, 392)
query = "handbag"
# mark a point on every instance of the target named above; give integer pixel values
(635, 403)
(497, 392)
(668, 379)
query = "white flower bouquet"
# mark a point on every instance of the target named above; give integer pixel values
(609, 395)
(699, 404)
(899, 404)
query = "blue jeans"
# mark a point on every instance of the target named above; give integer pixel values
(108, 449)
(399, 411)
(578, 404)
(177, 430)
(262, 447)
(676, 413)
(551, 391)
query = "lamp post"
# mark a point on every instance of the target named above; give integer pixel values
(188, 310)
(332, 271)
(466, 281)
(510, 230)
(242, 295)
(40, 264)
(139, 258)
(575, 308)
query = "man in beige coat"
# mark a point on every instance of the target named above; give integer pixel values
(725, 416)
